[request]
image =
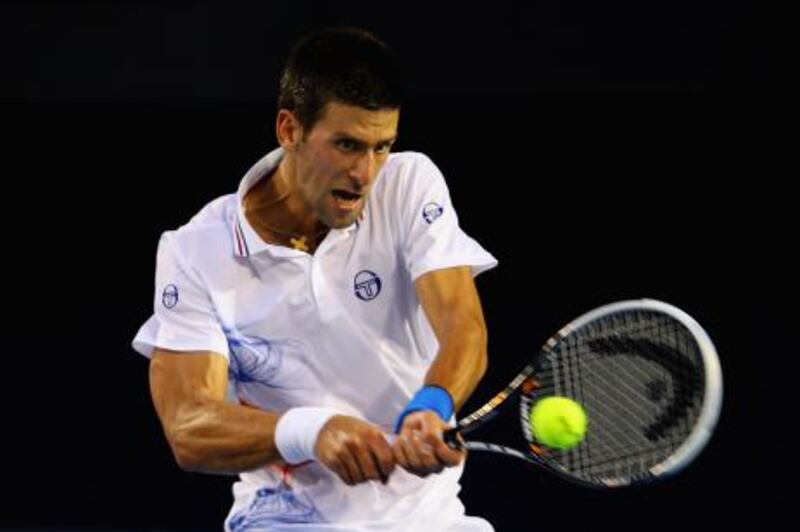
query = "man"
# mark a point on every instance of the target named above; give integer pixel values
(316, 331)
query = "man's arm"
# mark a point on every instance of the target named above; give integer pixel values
(450, 301)
(205, 432)
(208, 434)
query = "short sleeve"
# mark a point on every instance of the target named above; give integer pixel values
(184, 317)
(433, 239)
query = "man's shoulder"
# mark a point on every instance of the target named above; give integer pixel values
(407, 169)
(206, 230)
(405, 176)
(408, 162)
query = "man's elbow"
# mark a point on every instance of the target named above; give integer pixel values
(186, 452)
(186, 442)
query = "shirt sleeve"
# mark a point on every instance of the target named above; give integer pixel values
(184, 318)
(433, 239)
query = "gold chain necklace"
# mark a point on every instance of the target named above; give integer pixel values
(299, 241)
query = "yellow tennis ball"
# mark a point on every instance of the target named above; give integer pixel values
(558, 422)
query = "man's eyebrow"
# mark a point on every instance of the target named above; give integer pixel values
(338, 135)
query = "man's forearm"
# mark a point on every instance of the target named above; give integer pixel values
(219, 437)
(461, 361)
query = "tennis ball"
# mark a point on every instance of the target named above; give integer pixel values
(558, 422)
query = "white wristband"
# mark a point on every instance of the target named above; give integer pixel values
(297, 430)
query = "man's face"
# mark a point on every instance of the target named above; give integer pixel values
(338, 159)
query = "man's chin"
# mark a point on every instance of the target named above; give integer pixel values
(343, 220)
(341, 223)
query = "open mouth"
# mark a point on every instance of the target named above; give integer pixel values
(345, 199)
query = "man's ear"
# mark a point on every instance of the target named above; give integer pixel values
(288, 130)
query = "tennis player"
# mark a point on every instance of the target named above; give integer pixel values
(316, 331)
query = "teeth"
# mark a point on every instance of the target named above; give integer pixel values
(346, 203)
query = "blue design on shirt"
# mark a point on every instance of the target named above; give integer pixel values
(252, 359)
(274, 506)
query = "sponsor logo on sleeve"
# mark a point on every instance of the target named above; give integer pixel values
(431, 212)
(169, 297)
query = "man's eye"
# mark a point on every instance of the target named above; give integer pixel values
(384, 148)
(346, 145)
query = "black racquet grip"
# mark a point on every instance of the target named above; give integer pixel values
(452, 438)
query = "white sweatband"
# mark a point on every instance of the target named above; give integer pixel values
(297, 430)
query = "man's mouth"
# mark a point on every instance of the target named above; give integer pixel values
(345, 200)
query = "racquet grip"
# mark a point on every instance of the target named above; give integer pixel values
(453, 438)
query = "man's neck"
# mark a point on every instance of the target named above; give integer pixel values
(279, 215)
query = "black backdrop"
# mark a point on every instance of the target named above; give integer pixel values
(600, 150)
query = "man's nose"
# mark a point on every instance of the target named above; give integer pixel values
(365, 168)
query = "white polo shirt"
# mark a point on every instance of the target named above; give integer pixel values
(341, 328)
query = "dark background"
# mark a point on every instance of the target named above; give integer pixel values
(601, 150)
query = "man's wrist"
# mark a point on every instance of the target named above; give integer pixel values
(297, 431)
(429, 397)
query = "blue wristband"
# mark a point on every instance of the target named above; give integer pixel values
(430, 397)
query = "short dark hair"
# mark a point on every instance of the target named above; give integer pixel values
(347, 65)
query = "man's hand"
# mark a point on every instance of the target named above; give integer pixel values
(420, 449)
(355, 450)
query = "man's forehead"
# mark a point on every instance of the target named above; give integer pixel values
(350, 119)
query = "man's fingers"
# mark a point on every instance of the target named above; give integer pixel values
(342, 472)
(349, 463)
(448, 455)
(411, 448)
(443, 453)
(420, 457)
(363, 459)
(355, 450)
(384, 457)
(428, 456)
(400, 457)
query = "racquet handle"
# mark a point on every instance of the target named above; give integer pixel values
(452, 437)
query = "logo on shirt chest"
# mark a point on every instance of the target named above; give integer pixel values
(367, 285)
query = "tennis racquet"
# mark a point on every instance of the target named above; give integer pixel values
(647, 375)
